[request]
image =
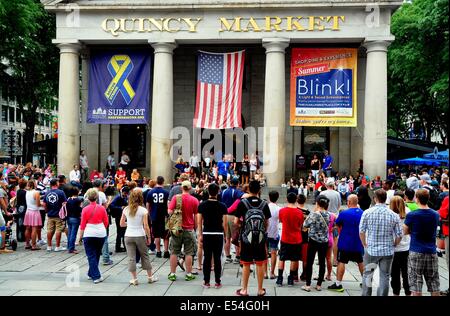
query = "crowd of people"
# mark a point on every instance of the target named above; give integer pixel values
(396, 225)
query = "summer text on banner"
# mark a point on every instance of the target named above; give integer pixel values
(119, 87)
(323, 87)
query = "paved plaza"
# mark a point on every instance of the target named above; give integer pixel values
(42, 273)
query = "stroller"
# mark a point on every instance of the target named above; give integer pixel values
(10, 242)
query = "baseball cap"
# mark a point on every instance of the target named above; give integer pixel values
(412, 183)
(329, 182)
(186, 184)
(425, 177)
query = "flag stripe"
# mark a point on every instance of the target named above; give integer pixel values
(197, 101)
(219, 90)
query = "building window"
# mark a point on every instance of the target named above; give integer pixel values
(4, 114)
(19, 118)
(11, 115)
(19, 139)
(47, 136)
(4, 137)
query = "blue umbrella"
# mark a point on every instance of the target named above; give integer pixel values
(420, 162)
(442, 155)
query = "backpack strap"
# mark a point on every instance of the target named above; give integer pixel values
(179, 199)
(247, 204)
(262, 205)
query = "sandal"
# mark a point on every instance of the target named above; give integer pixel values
(263, 293)
(153, 279)
(318, 288)
(35, 248)
(306, 288)
(239, 293)
(273, 277)
(27, 247)
(134, 282)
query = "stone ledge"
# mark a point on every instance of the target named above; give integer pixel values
(61, 5)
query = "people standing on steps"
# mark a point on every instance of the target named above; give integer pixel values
(315, 167)
(84, 166)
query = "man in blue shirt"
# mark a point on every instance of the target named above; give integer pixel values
(349, 245)
(327, 163)
(222, 168)
(228, 197)
(156, 203)
(423, 261)
(53, 202)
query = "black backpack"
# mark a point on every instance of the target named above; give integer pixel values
(433, 202)
(254, 229)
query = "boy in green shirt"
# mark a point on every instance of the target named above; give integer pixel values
(409, 200)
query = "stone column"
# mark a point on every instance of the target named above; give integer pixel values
(89, 132)
(69, 107)
(334, 148)
(375, 110)
(162, 110)
(274, 152)
(344, 150)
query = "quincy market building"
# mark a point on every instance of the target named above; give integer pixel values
(174, 31)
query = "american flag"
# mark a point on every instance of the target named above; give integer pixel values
(219, 90)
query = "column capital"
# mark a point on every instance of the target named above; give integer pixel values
(69, 46)
(376, 46)
(85, 52)
(163, 47)
(275, 45)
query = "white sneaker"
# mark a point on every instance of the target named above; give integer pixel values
(151, 252)
(49, 248)
(98, 280)
(41, 243)
(58, 249)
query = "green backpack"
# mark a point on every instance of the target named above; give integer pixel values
(175, 220)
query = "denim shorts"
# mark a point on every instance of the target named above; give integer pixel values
(273, 243)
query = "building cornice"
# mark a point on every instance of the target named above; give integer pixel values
(64, 5)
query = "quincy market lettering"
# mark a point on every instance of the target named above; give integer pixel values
(237, 24)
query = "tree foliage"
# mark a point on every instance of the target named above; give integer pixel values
(418, 67)
(29, 67)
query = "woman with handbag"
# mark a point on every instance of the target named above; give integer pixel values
(318, 225)
(94, 222)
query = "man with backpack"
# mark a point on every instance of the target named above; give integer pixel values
(182, 225)
(256, 214)
(425, 183)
